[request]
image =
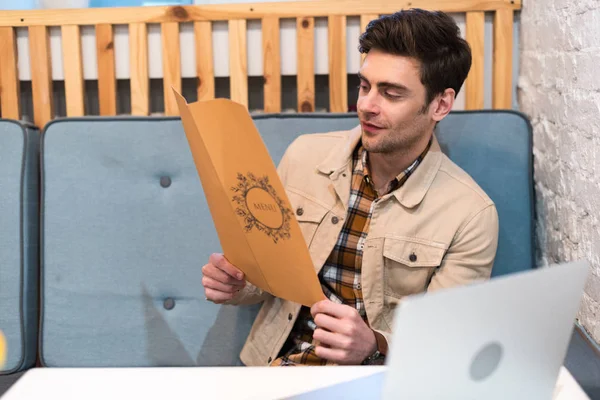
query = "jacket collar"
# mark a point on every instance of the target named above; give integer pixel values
(341, 155)
(416, 186)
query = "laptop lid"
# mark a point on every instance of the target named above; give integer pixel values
(503, 339)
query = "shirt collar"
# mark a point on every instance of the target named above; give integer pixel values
(362, 166)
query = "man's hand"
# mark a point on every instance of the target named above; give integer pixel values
(221, 280)
(342, 334)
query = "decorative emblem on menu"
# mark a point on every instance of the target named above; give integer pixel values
(260, 207)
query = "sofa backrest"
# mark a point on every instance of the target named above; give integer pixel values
(126, 230)
(19, 215)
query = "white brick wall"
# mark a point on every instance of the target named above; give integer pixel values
(559, 89)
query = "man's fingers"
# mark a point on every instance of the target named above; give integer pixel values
(331, 324)
(219, 261)
(210, 283)
(330, 308)
(220, 276)
(216, 296)
(332, 354)
(331, 340)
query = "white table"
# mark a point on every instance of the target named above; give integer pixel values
(201, 383)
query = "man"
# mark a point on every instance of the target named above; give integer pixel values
(385, 214)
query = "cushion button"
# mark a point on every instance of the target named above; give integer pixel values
(165, 181)
(335, 220)
(169, 303)
(300, 211)
(413, 257)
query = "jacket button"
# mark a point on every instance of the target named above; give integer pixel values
(269, 360)
(335, 220)
(300, 211)
(290, 316)
(413, 257)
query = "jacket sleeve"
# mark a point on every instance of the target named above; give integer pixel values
(250, 294)
(471, 255)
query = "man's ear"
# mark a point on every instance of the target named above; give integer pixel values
(442, 105)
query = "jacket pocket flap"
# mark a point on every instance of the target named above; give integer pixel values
(305, 209)
(414, 252)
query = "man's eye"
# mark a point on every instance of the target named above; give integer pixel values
(392, 95)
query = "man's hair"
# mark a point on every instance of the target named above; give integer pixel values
(431, 37)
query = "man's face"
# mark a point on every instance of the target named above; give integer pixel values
(391, 104)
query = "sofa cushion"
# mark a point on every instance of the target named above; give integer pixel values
(19, 266)
(126, 230)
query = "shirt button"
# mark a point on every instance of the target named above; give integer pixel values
(290, 316)
(299, 211)
(358, 286)
(335, 220)
(413, 257)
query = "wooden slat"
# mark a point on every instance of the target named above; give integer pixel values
(41, 75)
(254, 10)
(305, 28)
(364, 21)
(204, 60)
(238, 61)
(107, 81)
(9, 74)
(503, 53)
(73, 70)
(138, 63)
(338, 80)
(271, 64)
(474, 85)
(171, 65)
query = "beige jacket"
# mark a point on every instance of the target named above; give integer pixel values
(440, 215)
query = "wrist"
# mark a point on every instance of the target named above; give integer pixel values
(378, 349)
(373, 347)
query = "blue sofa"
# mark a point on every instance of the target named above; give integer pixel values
(124, 231)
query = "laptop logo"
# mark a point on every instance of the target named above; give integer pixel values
(486, 361)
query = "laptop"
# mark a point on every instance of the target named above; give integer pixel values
(505, 338)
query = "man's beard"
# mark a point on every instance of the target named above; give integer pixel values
(400, 139)
(394, 140)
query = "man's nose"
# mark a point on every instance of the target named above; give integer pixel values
(368, 104)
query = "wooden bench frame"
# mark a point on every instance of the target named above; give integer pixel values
(237, 15)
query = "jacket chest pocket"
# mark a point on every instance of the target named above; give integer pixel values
(309, 215)
(408, 265)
